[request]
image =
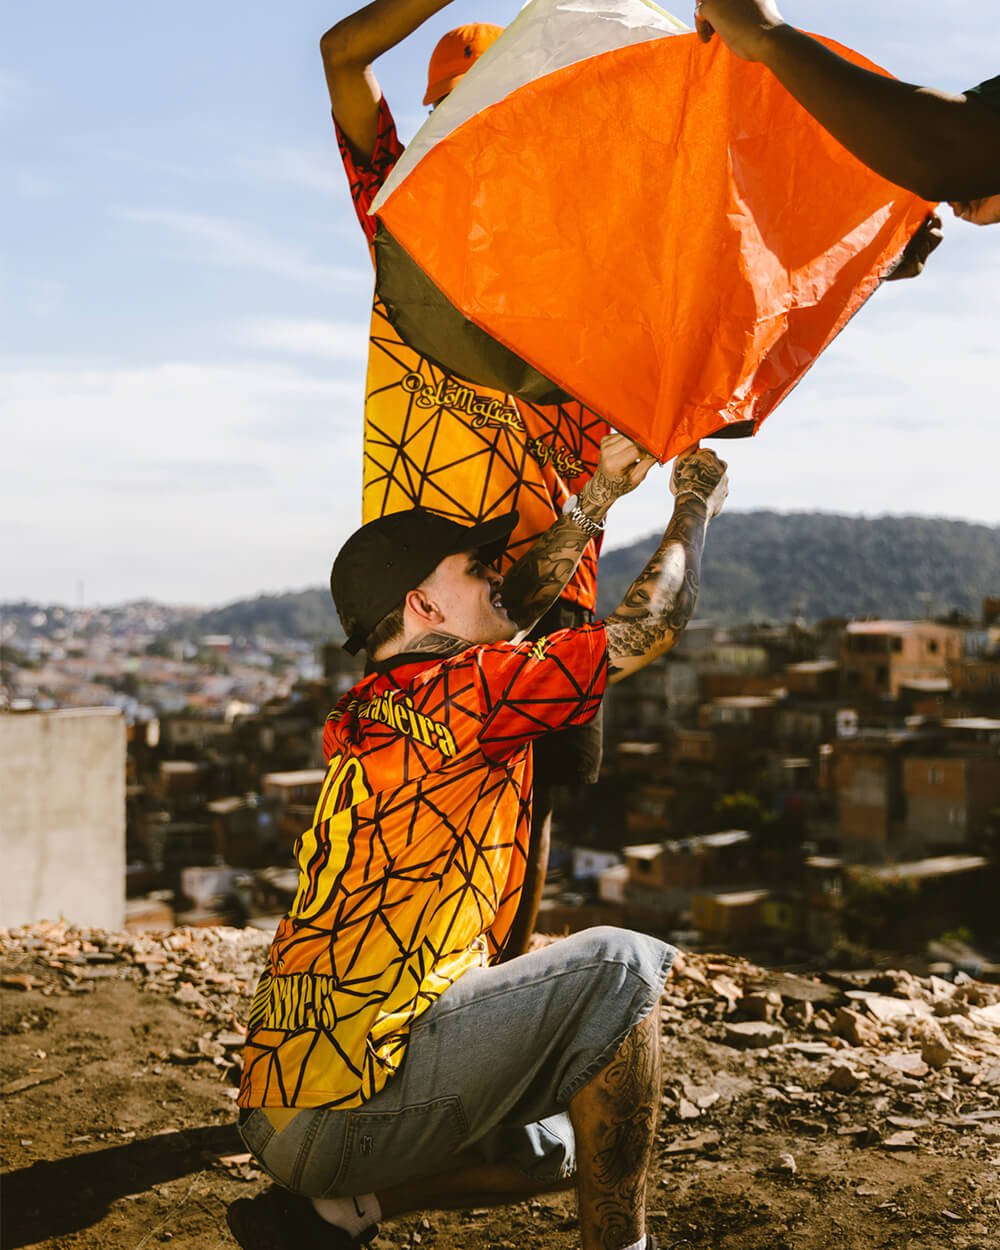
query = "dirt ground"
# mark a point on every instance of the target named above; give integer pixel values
(120, 1056)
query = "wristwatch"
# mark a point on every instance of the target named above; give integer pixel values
(576, 514)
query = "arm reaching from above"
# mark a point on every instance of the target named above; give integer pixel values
(348, 50)
(940, 146)
(981, 212)
(536, 581)
(659, 603)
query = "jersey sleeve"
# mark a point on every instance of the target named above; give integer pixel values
(537, 687)
(366, 177)
(988, 93)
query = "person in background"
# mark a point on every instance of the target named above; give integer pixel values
(419, 449)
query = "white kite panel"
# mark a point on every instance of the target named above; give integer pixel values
(546, 36)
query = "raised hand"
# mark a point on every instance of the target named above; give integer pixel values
(911, 263)
(701, 473)
(621, 466)
(740, 24)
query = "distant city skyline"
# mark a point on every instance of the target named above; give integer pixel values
(185, 295)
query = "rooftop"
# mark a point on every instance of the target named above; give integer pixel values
(744, 700)
(736, 898)
(892, 627)
(727, 837)
(644, 850)
(824, 863)
(920, 869)
(299, 777)
(687, 846)
(234, 803)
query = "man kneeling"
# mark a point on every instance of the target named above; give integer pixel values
(392, 1064)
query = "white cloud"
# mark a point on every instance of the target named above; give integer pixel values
(316, 170)
(125, 416)
(324, 339)
(176, 480)
(235, 244)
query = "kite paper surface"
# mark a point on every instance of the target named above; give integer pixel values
(607, 209)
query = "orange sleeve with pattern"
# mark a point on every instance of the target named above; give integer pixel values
(537, 687)
(366, 177)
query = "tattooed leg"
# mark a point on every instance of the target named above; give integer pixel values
(614, 1119)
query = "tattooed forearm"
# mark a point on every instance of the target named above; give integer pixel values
(601, 492)
(536, 581)
(438, 644)
(661, 600)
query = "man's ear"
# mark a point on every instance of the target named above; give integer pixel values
(423, 608)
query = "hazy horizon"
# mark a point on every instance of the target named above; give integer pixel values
(320, 583)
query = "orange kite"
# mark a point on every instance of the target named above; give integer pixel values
(605, 209)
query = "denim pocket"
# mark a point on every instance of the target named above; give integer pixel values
(389, 1147)
(258, 1132)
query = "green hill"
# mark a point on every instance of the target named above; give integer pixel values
(296, 614)
(774, 566)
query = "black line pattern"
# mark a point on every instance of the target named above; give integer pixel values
(404, 885)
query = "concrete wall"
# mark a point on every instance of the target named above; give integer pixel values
(62, 817)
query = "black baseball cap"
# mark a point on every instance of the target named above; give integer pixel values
(392, 555)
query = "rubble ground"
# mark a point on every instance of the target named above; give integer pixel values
(859, 1111)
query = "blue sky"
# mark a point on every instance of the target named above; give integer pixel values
(184, 296)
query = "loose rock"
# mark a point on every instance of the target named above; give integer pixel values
(844, 1079)
(855, 1028)
(753, 1035)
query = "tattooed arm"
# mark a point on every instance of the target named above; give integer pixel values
(348, 49)
(660, 601)
(942, 146)
(536, 581)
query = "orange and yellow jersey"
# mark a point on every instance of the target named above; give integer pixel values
(435, 441)
(412, 870)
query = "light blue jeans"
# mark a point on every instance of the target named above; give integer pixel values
(489, 1071)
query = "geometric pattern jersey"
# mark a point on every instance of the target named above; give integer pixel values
(435, 441)
(412, 869)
